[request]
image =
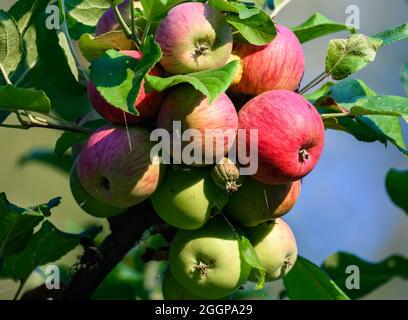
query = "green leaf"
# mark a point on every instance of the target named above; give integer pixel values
(118, 77)
(49, 158)
(277, 6)
(93, 47)
(13, 98)
(347, 56)
(404, 78)
(390, 36)
(17, 224)
(396, 184)
(47, 245)
(10, 43)
(211, 83)
(156, 9)
(371, 275)
(322, 91)
(248, 253)
(83, 15)
(68, 139)
(306, 281)
(317, 26)
(24, 12)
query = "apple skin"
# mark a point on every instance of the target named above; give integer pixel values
(255, 202)
(290, 135)
(191, 108)
(146, 103)
(172, 290)
(277, 65)
(194, 37)
(186, 198)
(89, 204)
(207, 261)
(108, 20)
(275, 246)
(113, 173)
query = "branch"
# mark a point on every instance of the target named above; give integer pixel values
(314, 82)
(126, 232)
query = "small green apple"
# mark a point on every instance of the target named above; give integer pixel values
(187, 196)
(275, 245)
(88, 203)
(208, 261)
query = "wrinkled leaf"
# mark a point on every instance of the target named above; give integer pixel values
(10, 43)
(24, 12)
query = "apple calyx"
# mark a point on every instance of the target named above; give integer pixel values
(202, 268)
(232, 186)
(105, 184)
(303, 155)
(201, 49)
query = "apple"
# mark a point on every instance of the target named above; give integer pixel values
(108, 21)
(207, 261)
(147, 104)
(216, 122)
(187, 197)
(225, 174)
(115, 166)
(290, 135)
(255, 202)
(275, 246)
(194, 37)
(89, 204)
(277, 65)
(172, 290)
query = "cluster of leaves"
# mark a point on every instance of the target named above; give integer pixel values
(43, 74)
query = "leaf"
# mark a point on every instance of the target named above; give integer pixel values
(248, 253)
(93, 47)
(83, 15)
(277, 6)
(347, 94)
(118, 77)
(10, 43)
(47, 157)
(244, 10)
(68, 139)
(211, 83)
(24, 12)
(306, 281)
(317, 26)
(322, 91)
(396, 183)
(404, 78)
(3, 116)
(347, 56)
(17, 224)
(390, 36)
(47, 245)
(13, 98)
(156, 9)
(371, 275)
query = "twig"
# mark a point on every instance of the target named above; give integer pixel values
(135, 37)
(126, 231)
(121, 21)
(314, 82)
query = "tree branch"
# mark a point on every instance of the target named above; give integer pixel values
(126, 231)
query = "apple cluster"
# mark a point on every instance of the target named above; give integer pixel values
(114, 169)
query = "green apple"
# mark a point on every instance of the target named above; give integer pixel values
(172, 290)
(275, 245)
(207, 261)
(88, 203)
(187, 196)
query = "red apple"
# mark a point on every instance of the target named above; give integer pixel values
(290, 135)
(277, 65)
(215, 124)
(115, 166)
(194, 37)
(146, 103)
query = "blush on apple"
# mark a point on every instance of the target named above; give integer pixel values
(115, 166)
(277, 65)
(214, 123)
(194, 37)
(290, 135)
(146, 103)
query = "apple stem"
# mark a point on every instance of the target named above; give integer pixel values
(314, 82)
(304, 155)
